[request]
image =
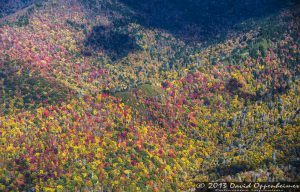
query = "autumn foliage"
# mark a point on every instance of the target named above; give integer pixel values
(162, 117)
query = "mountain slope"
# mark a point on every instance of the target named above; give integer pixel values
(97, 95)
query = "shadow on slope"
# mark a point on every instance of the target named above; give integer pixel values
(22, 89)
(200, 20)
(115, 44)
(193, 21)
(11, 6)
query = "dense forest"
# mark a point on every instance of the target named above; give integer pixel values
(156, 95)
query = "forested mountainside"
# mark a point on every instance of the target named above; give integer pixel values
(157, 95)
(10, 6)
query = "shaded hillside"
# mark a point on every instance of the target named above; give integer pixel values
(21, 88)
(199, 20)
(193, 22)
(115, 43)
(11, 6)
